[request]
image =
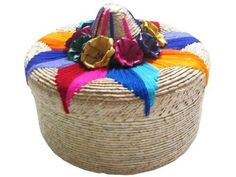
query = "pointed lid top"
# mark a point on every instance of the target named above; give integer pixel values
(115, 21)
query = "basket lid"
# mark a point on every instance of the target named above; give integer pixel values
(128, 59)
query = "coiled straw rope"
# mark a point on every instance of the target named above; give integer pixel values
(105, 130)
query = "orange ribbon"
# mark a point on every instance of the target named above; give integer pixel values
(170, 58)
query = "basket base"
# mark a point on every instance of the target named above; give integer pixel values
(120, 148)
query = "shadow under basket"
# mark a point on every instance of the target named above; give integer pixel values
(106, 130)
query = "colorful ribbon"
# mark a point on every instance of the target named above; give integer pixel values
(142, 79)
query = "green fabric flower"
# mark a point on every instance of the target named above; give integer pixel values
(76, 47)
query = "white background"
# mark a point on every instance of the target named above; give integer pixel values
(23, 151)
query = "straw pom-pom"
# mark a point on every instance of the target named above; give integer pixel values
(128, 52)
(97, 52)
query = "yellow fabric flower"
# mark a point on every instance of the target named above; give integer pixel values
(151, 28)
(97, 52)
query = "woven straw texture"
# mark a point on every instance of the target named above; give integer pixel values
(106, 130)
(118, 13)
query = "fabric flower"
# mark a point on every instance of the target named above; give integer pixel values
(97, 52)
(142, 79)
(149, 45)
(76, 47)
(152, 29)
(85, 30)
(79, 31)
(75, 36)
(76, 42)
(128, 52)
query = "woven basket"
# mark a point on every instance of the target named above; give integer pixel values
(106, 130)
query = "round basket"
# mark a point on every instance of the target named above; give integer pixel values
(105, 129)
